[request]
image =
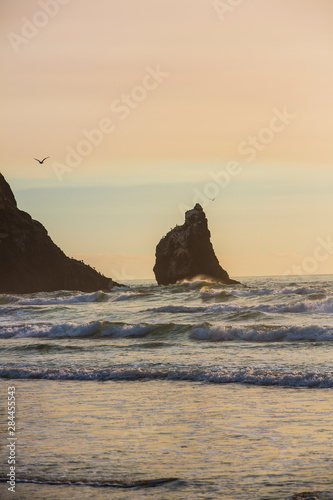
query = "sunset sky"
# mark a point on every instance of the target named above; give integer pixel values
(194, 101)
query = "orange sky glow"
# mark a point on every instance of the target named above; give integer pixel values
(147, 107)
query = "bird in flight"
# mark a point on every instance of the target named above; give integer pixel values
(41, 161)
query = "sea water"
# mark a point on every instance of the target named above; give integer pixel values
(191, 391)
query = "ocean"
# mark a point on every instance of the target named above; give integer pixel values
(192, 391)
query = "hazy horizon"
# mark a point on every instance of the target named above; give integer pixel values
(191, 103)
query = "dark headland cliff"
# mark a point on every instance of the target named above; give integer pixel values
(187, 252)
(31, 262)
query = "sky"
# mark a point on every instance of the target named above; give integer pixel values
(147, 107)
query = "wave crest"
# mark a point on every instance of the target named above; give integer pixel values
(217, 375)
(94, 329)
(85, 297)
(222, 333)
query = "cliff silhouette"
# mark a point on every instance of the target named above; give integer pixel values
(31, 262)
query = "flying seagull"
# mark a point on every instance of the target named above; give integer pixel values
(41, 161)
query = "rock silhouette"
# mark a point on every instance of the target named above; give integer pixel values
(31, 262)
(186, 252)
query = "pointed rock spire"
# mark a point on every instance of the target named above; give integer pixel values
(186, 252)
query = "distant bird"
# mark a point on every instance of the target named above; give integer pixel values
(41, 161)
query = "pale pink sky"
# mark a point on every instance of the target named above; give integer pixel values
(225, 77)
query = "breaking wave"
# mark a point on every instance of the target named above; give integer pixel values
(217, 295)
(207, 293)
(195, 331)
(95, 329)
(220, 333)
(306, 306)
(212, 375)
(86, 297)
(8, 299)
(130, 295)
(59, 298)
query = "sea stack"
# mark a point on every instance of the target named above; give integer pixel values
(31, 262)
(186, 252)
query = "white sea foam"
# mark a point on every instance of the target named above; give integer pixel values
(250, 292)
(206, 332)
(198, 282)
(306, 306)
(206, 294)
(94, 329)
(8, 299)
(216, 375)
(71, 299)
(259, 292)
(52, 331)
(219, 333)
(127, 296)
